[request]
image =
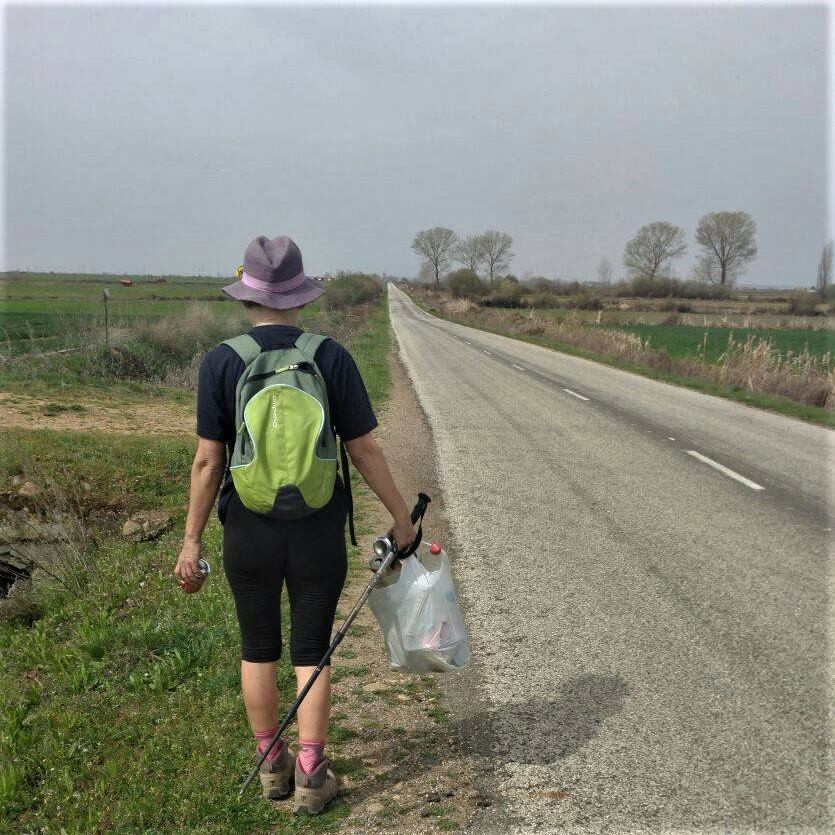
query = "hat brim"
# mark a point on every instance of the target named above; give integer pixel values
(306, 292)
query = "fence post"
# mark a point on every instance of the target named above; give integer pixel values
(106, 323)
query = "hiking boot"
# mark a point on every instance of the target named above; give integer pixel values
(276, 775)
(315, 790)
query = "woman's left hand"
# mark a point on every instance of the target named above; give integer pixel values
(187, 571)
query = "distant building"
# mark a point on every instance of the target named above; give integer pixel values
(126, 282)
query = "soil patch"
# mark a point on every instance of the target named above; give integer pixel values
(25, 412)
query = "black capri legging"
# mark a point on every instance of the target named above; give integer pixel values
(260, 554)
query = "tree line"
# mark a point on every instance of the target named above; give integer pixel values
(441, 246)
(726, 241)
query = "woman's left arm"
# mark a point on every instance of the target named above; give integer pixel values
(206, 475)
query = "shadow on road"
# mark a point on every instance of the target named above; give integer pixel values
(546, 729)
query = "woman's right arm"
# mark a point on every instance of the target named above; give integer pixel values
(368, 458)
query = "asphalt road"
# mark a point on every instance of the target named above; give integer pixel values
(646, 575)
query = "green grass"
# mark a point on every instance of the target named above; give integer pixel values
(59, 408)
(123, 471)
(687, 340)
(120, 711)
(61, 286)
(39, 305)
(370, 347)
(21, 310)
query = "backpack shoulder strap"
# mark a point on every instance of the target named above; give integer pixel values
(244, 346)
(308, 343)
(247, 349)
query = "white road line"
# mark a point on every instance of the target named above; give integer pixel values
(518, 366)
(723, 469)
(574, 394)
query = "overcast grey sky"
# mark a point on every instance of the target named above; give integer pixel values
(163, 140)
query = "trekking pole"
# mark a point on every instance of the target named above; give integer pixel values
(385, 551)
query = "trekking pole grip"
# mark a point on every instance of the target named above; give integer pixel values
(420, 508)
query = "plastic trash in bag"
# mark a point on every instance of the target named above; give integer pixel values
(417, 609)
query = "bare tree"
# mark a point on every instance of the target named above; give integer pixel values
(436, 246)
(653, 249)
(705, 270)
(469, 252)
(825, 269)
(604, 271)
(727, 242)
(497, 252)
(426, 273)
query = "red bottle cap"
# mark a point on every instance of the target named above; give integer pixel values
(435, 548)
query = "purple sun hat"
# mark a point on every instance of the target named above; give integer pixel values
(274, 276)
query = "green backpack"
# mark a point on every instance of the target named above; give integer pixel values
(284, 461)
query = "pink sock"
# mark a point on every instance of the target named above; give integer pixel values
(264, 738)
(311, 753)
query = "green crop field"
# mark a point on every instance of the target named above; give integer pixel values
(38, 294)
(58, 287)
(37, 310)
(689, 340)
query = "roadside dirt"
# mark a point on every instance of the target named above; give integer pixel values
(25, 412)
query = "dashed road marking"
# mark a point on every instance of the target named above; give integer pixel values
(725, 470)
(692, 452)
(574, 394)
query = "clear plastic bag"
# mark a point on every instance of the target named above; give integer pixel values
(417, 609)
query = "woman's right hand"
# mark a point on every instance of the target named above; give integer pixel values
(404, 533)
(187, 570)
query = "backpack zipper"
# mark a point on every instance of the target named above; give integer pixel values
(299, 366)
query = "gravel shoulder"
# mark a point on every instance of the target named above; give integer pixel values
(415, 770)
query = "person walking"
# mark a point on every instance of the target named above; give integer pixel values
(291, 542)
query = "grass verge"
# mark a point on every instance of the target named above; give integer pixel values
(121, 709)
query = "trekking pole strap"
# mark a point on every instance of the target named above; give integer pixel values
(346, 478)
(418, 513)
